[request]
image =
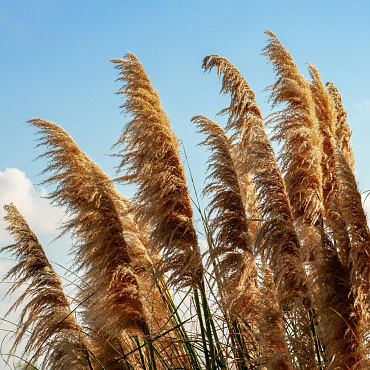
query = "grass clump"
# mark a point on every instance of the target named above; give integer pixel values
(284, 282)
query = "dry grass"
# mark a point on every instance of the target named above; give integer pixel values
(284, 283)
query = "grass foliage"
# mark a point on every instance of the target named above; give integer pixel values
(285, 280)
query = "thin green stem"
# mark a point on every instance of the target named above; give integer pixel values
(202, 330)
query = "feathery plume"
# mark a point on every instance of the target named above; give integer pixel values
(356, 256)
(297, 127)
(231, 253)
(243, 103)
(343, 132)
(340, 326)
(314, 153)
(256, 156)
(327, 117)
(356, 221)
(242, 100)
(101, 250)
(341, 321)
(233, 244)
(47, 317)
(276, 237)
(151, 159)
(270, 323)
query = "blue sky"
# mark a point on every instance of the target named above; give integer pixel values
(55, 64)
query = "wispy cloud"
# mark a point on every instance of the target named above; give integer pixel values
(43, 219)
(203, 244)
(364, 106)
(16, 188)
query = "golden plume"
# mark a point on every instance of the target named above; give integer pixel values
(342, 323)
(257, 157)
(101, 250)
(356, 221)
(308, 156)
(357, 257)
(341, 327)
(47, 317)
(151, 160)
(233, 244)
(342, 131)
(276, 237)
(242, 96)
(297, 127)
(270, 324)
(327, 117)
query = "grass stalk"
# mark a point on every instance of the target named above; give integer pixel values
(207, 352)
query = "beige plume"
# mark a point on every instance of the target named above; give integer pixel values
(327, 117)
(151, 160)
(341, 327)
(229, 224)
(276, 237)
(342, 131)
(270, 323)
(356, 220)
(297, 128)
(101, 251)
(46, 320)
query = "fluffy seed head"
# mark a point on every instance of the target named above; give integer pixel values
(151, 160)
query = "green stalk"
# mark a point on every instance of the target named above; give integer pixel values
(237, 337)
(123, 353)
(140, 352)
(189, 349)
(311, 314)
(209, 319)
(167, 299)
(152, 362)
(205, 347)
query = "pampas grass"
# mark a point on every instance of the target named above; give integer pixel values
(47, 317)
(150, 159)
(284, 280)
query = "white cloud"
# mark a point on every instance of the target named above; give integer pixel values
(5, 267)
(203, 244)
(43, 219)
(16, 188)
(366, 202)
(364, 106)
